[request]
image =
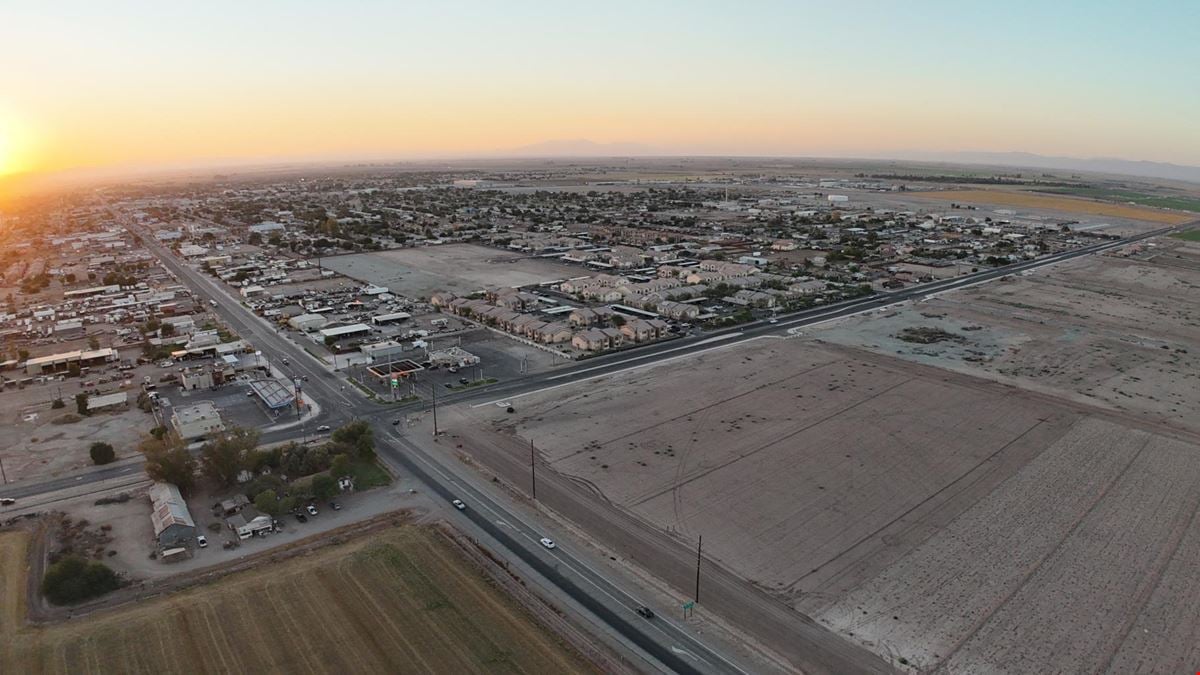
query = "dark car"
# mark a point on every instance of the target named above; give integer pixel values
(301, 517)
(645, 612)
(395, 423)
(335, 506)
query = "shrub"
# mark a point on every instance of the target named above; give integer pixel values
(324, 486)
(73, 580)
(58, 403)
(102, 453)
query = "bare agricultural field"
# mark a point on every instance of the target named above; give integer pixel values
(404, 601)
(1117, 332)
(807, 470)
(1062, 204)
(946, 520)
(462, 268)
(1082, 562)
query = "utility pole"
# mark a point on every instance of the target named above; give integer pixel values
(2, 474)
(698, 545)
(533, 468)
(435, 426)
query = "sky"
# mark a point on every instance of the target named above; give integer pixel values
(100, 84)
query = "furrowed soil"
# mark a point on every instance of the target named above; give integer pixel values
(402, 601)
(941, 520)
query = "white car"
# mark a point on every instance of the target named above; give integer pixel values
(459, 505)
(548, 542)
(323, 428)
(202, 541)
(312, 510)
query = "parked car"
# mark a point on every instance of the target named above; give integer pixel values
(201, 541)
(335, 506)
(395, 423)
(7, 501)
(459, 505)
(323, 427)
(548, 542)
(645, 612)
(301, 517)
(312, 510)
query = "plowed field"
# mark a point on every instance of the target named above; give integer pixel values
(401, 602)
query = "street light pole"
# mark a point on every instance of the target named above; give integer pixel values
(698, 545)
(533, 468)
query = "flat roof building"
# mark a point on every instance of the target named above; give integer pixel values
(339, 332)
(196, 421)
(54, 362)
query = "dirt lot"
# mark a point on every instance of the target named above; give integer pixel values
(462, 268)
(43, 448)
(928, 515)
(1013, 198)
(401, 601)
(1119, 332)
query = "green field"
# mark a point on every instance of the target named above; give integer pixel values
(1190, 235)
(1183, 203)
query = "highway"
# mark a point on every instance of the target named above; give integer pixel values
(673, 646)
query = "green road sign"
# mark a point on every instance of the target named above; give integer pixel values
(688, 605)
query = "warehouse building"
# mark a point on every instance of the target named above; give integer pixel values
(173, 524)
(57, 362)
(343, 332)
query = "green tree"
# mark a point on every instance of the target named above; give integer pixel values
(57, 403)
(324, 486)
(74, 579)
(73, 370)
(168, 461)
(102, 453)
(223, 458)
(81, 400)
(268, 502)
(617, 320)
(167, 330)
(287, 504)
(356, 437)
(93, 343)
(340, 466)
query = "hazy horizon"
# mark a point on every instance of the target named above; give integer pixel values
(133, 86)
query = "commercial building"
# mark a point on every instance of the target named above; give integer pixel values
(394, 317)
(61, 361)
(453, 356)
(343, 332)
(197, 421)
(307, 322)
(114, 400)
(173, 524)
(273, 393)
